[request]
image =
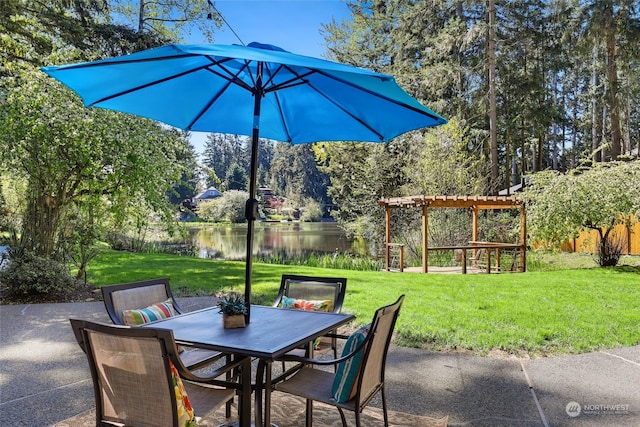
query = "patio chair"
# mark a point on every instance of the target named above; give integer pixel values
(313, 293)
(360, 374)
(140, 295)
(139, 379)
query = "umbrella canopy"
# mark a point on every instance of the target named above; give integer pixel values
(258, 90)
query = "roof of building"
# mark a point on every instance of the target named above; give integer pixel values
(209, 193)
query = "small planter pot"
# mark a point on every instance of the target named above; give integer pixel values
(230, 321)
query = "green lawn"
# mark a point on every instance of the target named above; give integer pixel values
(540, 312)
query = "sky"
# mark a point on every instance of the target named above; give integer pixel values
(293, 25)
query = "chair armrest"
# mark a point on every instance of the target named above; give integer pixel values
(326, 362)
(212, 377)
(303, 361)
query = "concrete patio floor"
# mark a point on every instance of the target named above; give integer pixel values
(44, 378)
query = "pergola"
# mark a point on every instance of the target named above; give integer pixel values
(475, 204)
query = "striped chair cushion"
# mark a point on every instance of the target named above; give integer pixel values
(157, 311)
(347, 374)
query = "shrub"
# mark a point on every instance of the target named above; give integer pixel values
(207, 211)
(229, 207)
(29, 277)
(312, 211)
(609, 250)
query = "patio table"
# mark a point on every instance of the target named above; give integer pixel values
(271, 333)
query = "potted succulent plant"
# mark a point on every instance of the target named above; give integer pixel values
(233, 310)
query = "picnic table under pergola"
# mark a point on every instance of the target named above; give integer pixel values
(475, 204)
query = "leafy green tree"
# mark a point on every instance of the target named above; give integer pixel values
(447, 164)
(347, 166)
(295, 175)
(229, 207)
(170, 19)
(223, 150)
(185, 188)
(312, 211)
(559, 206)
(564, 72)
(39, 31)
(236, 178)
(610, 25)
(68, 155)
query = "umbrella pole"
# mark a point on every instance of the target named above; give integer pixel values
(251, 208)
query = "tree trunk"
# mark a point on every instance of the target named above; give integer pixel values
(612, 77)
(594, 106)
(41, 222)
(141, 17)
(603, 143)
(626, 149)
(540, 150)
(493, 114)
(460, 57)
(554, 129)
(574, 138)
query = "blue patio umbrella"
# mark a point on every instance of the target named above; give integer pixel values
(258, 90)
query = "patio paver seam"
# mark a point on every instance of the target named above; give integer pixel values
(620, 357)
(511, 421)
(18, 399)
(533, 393)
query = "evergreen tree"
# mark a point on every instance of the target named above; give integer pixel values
(295, 174)
(236, 178)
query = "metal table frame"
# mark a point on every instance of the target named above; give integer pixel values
(271, 333)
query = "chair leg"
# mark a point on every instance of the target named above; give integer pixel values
(384, 407)
(229, 378)
(344, 420)
(227, 409)
(309, 417)
(357, 413)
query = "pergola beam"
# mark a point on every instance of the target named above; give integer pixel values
(481, 202)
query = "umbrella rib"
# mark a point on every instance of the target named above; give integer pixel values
(340, 107)
(378, 95)
(347, 112)
(297, 81)
(231, 79)
(272, 74)
(110, 62)
(285, 85)
(144, 86)
(209, 104)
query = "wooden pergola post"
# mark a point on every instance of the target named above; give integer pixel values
(387, 238)
(523, 239)
(474, 231)
(474, 224)
(425, 240)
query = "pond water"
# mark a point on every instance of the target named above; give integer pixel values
(292, 238)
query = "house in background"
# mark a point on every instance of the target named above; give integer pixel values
(188, 206)
(208, 194)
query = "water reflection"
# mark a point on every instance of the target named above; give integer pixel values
(229, 242)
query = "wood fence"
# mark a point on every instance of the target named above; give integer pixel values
(586, 241)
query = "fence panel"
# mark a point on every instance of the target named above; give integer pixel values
(586, 241)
